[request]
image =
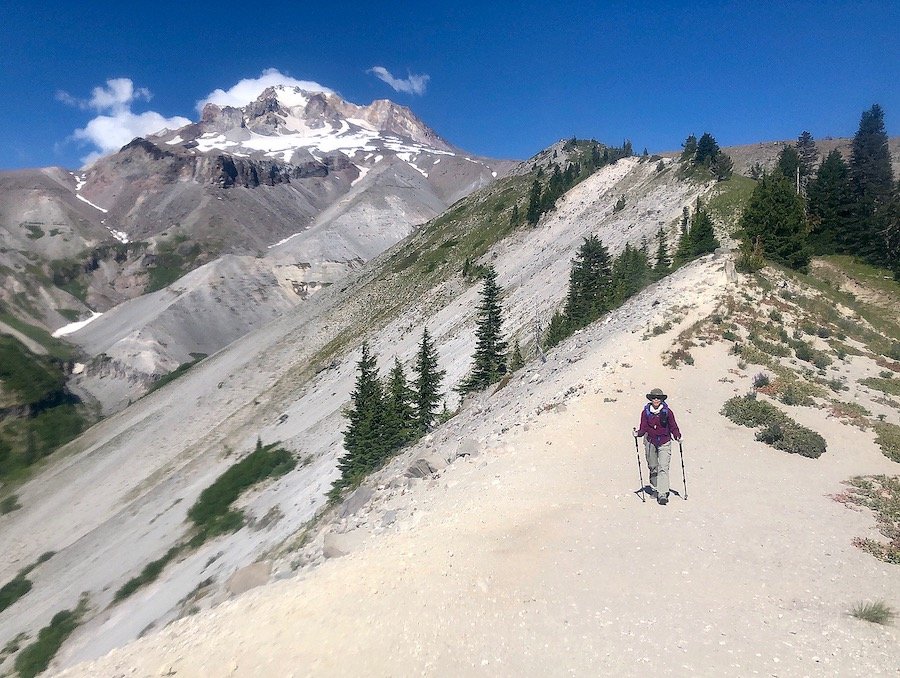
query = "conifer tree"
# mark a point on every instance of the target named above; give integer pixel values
(703, 237)
(533, 213)
(892, 234)
(663, 262)
(789, 164)
(490, 348)
(775, 216)
(872, 182)
(631, 272)
(514, 216)
(590, 283)
(707, 150)
(690, 148)
(516, 360)
(722, 166)
(808, 154)
(399, 412)
(830, 206)
(557, 330)
(684, 249)
(428, 383)
(363, 439)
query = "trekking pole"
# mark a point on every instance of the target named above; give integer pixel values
(640, 470)
(683, 478)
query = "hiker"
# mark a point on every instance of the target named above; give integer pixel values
(658, 427)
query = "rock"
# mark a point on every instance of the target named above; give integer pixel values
(426, 466)
(389, 517)
(468, 448)
(340, 544)
(249, 577)
(356, 501)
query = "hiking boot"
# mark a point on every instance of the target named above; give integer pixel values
(649, 489)
(663, 499)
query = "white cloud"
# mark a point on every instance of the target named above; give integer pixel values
(414, 84)
(117, 124)
(248, 89)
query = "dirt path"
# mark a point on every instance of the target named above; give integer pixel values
(538, 558)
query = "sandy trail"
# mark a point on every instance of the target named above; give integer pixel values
(538, 558)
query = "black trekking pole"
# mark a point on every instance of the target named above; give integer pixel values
(683, 478)
(640, 470)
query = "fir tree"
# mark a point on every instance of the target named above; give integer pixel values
(399, 412)
(808, 154)
(722, 166)
(363, 439)
(533, 213)
(789, 165)
(663, 262)
(631, 272)
(428, 383)
(703, 237)
(690, 148)
(830, 206)
(775, 215)
(684, 249)
(490, 348)
(557, 330)
(590, 283)
(516, 360)
(872, 182)
(707, 150)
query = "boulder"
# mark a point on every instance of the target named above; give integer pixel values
(356, 501)
(339, 544)
(426, 466)
(249, 577)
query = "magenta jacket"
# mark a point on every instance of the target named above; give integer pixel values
(652, 427)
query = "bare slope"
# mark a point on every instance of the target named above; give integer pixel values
(534, 554)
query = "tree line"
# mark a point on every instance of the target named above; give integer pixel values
(799, 210)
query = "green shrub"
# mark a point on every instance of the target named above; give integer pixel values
(880, 494)
(888, 439)
(779, 430)
(13, 590)
(150, 572)
(35, 658)
(212, 512)
(9, 504)
(804, 352)
(891, 386)
(878, 612)
(760, 380)
(793, 393)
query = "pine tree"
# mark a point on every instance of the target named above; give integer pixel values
(690, 148)
(722, 166)
(590, 283)
(399, 413)
(557, 330)
(872, 182)
(428, 383)
(707, 150)
(516, 360)
(631, 272)
(703, 236)
(809, 157)
(663, 263)
(684, 249)
(363, 440)
(490, 348)
(775, 215)
(533, 213)
(830, 206)
(789, 165)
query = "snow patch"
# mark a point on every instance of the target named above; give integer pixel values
(83, 199)
(176, 140)
(74, 327)
(363, 171)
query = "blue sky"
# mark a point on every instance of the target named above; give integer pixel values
(498, 79)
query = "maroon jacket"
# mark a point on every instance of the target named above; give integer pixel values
(652, 427)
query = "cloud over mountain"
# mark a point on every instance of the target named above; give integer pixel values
(248, 89)
(414, 84)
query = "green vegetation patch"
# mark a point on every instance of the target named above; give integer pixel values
(212, 513)
(888, 439)
(730, 197)
(877, 612)
(177, 372)
(890, 386)
(13, 590)
(9, 504)
(150, 572)
(57, 348)
(880, 494)
(36, 657)
(777, 429)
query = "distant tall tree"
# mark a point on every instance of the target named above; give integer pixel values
(557, 330)
(722, 166)
(707, 150)
(690, 148)
(363, 439)
(703, 235)
(627, 150)
(516, 359)
(809, 157)
(514, 215)
(684, 248)
(399, 413)
(663, 262)
(490, 348)
(631, 272)
(533, 213)
(590, 282)
(789, 165)
(830, 206)
(872, 182)
(775, 215)
(428, 383)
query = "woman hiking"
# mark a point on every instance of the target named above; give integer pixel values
(658, 427)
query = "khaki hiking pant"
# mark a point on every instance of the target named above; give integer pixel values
(658, 459)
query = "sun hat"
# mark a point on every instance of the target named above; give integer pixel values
(656, 393)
